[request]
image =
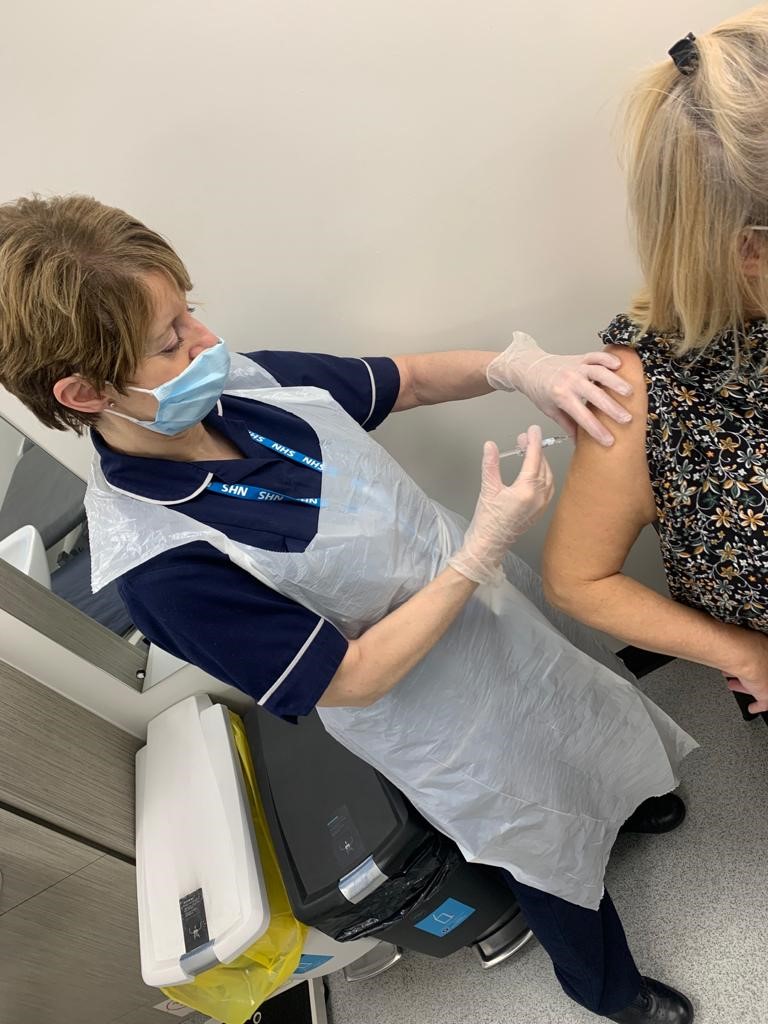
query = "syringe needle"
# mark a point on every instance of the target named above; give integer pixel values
(547, 442)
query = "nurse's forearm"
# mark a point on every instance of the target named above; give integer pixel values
(436, 377)
(382, 656)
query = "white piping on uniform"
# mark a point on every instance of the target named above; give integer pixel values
(298, 657)
(160, 501)
(373, 391)
(177, 501)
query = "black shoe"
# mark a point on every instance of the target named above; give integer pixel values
(655, 815)
(656, 1004)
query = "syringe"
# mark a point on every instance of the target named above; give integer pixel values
(547, 442)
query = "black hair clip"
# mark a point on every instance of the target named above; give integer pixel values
(685, 54)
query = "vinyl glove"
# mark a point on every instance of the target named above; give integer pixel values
(503, 513)
(560, 385)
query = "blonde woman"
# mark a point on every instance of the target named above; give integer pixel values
(694, 459)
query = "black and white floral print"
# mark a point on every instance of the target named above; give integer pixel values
(707, 449)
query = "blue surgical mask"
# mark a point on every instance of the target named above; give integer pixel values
(186, 399)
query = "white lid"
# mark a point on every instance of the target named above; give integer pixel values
(197, 863)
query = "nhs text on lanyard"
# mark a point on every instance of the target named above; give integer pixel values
(249, 493)
(286, 452)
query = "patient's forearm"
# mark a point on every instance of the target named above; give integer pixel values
(638, 615)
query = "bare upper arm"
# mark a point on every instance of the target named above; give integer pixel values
(606, 501)
(345, 690)
(406, 398)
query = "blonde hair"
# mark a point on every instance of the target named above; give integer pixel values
(696, 152)
(73, 298)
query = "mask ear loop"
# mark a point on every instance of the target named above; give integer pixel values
(112, 410)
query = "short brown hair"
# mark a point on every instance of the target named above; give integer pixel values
(72, 298)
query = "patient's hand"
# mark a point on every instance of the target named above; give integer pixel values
(751, 676)
(754, 690)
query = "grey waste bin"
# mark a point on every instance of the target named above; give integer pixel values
(357, 858)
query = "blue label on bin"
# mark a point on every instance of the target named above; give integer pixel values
(309, 963)
(445, 918)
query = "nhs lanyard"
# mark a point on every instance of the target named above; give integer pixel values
(248, 492)
(286, 452)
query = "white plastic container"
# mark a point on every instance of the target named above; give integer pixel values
(24, 550)
(198, 873)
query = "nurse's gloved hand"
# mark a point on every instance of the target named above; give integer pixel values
(560, 385)
(502, 513)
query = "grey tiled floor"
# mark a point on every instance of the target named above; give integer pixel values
(694, 903)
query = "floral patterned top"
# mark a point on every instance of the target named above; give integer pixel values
(707, 448)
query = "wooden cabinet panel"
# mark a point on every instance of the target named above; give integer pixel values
(64, 765)
(71, 954)
(32, 858)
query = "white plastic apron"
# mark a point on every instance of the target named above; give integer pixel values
(507, 736)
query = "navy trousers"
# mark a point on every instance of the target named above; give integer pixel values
(588, 948)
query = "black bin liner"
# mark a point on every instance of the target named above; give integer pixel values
(420, 878)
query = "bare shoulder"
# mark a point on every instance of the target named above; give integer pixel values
(632, 372)
(628, 448)
(619, 473)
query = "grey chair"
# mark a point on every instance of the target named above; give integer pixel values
(48, 496)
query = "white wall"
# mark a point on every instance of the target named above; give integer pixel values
(356, 176)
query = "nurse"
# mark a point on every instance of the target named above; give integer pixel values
(257, 531)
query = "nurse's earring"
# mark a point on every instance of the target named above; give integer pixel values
(110, 405)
